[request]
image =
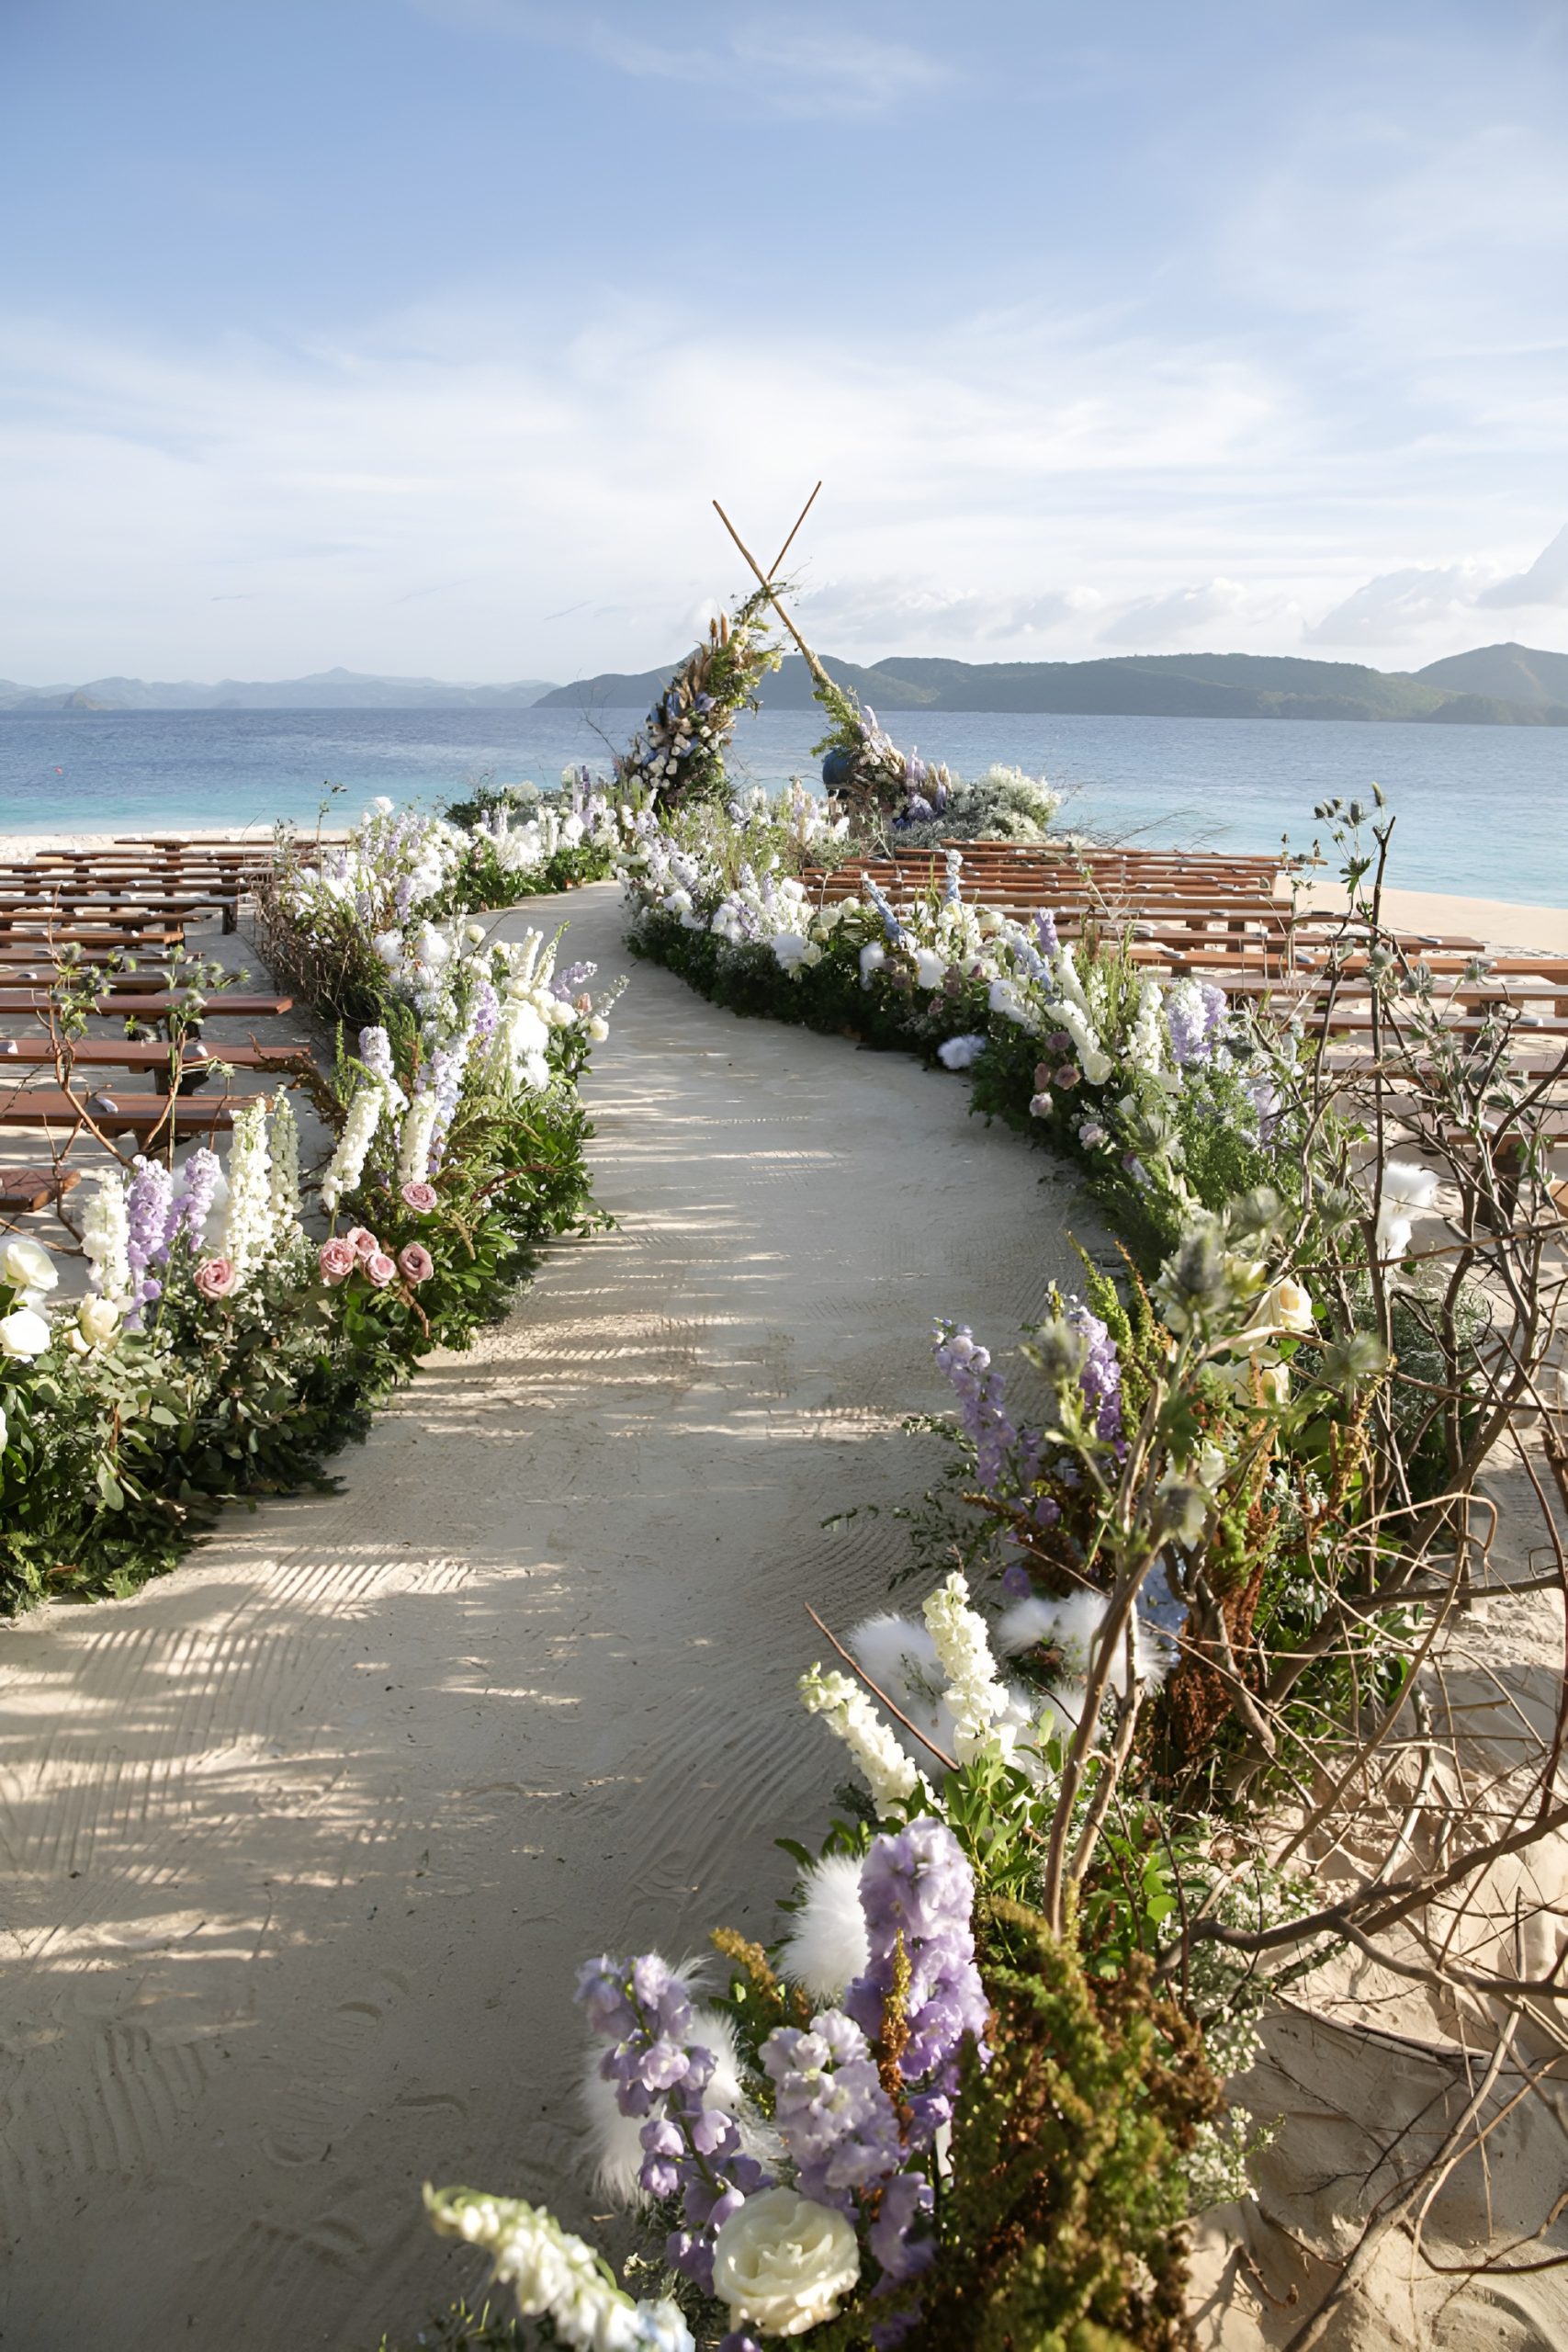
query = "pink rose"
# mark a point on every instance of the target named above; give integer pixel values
(336, 1260)
(216, 1278)
(416, 1262)
(1069, 1074)
(362, 1241)
(421, 1198)
(1042, 1076)
(381, 1269)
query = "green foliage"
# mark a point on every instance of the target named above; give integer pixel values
(1061, 2228)
(459, 2328)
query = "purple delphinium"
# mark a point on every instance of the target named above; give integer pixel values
(916, 1885)
(890, 922)
(835, 2117)
(641, 2006)
(149, 1225)
(1195, 1014)
(375, 1052)
(1101, 1379)
(198, 1189)
(980, 1390)
(953, 887)
(572, 980)
(1045, 931)
(1265, 1098)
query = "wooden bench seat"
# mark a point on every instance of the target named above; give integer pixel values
(121, 1112)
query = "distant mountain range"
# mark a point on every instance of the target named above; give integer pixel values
(1499, 685)
(1496, 685)
(326, 690)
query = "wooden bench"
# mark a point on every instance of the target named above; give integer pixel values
(51, 1107)
(34, 1188)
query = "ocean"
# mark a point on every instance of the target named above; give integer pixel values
(1483, 810)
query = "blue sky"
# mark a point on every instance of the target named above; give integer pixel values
(417, 334)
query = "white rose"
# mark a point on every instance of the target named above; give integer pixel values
(380, 806)
(23, 1334)
(99, 1319)
(474, 932)
(598, 1028)
(27, 1267)
(780, 2262)
(388, 945)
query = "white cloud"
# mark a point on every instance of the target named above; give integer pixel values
(1545, 583)
(1153, 620)
(894, 614)
(1395, 606)
(803, 66)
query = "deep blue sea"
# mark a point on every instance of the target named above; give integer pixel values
(1483, 810)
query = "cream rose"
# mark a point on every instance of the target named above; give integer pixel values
(27, 1267)
(99, 1318)
(781, 2262)
(1285, 1306)
(23, 1334)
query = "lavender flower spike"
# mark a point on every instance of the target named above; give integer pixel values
(916, 1885)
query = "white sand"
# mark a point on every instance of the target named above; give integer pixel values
(308, 1839)
(1498, 922)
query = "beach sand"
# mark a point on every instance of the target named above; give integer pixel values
(305, 1843)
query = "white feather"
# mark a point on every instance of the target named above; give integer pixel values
(900, 1657)
(827, 1945)
(1072, 1627)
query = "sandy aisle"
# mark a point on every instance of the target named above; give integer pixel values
(305, 1843)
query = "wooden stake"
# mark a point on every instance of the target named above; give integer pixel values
(766, 584)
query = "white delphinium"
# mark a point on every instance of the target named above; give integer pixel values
(557, 2276)
(849, 1712)
(347, 1163)
(245, 1236)
(1407, 1191)
(105, 1236)
(284, 1139)
(976, 1695)
(826, 1945)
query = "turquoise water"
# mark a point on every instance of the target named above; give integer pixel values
(1481, 810)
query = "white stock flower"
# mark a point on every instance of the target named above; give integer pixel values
(415, 1139)
(284, 1143)
(849, 1712)
(1096, 1062)
(1006, 998)
(930, 969)
(781, 2262)
(556, 2275)
(347, 1163)
(1146, 1047)
(105, 1235)
(23, 1334)
(28, 1268)
(245, 1238)
(975, 1694)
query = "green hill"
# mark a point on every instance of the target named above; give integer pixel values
(1162, 685)
(1513, 674)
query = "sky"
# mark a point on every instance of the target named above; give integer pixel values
(418, 335)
